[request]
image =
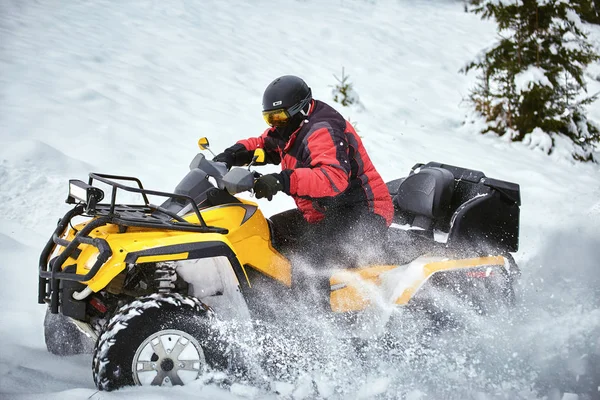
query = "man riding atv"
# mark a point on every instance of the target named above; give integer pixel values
(154, 285)
(341, 197)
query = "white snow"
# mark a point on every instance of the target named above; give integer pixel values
(538, 139)
(533, 75)
(375, 386)
(574, 18)
(128, 87)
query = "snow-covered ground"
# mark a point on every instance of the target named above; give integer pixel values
(128, 87)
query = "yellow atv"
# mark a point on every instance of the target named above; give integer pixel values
(150, 283)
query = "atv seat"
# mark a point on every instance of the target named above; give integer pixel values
(464, 204)
(426, 196)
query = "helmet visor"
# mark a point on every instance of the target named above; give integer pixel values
(278, 117)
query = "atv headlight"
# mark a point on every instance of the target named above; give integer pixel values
(91, 261)
(81, 192)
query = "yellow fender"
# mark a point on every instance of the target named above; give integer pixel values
(355, 290)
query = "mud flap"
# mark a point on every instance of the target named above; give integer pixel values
(65, 336)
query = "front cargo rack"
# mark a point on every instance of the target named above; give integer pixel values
(143, 215)
(146, 215)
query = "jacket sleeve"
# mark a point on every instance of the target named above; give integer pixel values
(328, 170)
(266, 143)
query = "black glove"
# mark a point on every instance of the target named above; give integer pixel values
(225, 157)
(235, 155)
(267, 186)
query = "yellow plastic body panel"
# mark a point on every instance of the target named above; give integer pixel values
(253, 246)
(164, 257)
(431, 268)
(354, 285)
(251, 241)
(354, 282)
(248, 237)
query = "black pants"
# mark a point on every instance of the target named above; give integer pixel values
(345, 238)
(345, 233)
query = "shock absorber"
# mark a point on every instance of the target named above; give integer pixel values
(165, 277)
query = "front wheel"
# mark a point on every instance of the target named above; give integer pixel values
(158, 340)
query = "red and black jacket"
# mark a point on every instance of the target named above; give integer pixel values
(325, 166)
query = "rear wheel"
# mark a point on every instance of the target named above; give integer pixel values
(158, 340)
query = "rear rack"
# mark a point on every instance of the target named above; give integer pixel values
(50, 272)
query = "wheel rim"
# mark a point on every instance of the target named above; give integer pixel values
(169, 357)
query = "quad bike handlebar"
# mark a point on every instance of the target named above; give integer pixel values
(234, 180)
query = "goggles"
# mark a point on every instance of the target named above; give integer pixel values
(281, 116)
(277, 118)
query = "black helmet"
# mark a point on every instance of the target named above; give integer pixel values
(285, 97)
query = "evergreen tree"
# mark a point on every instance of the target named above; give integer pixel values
(343, 91)
(589, 10)
(531, 81)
